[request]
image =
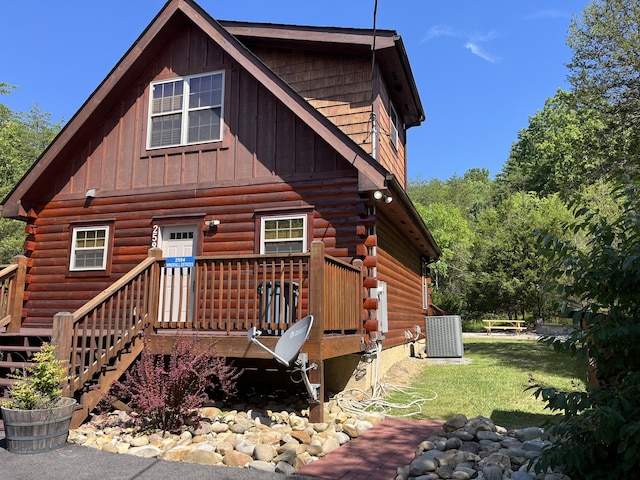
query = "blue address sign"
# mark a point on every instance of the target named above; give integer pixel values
(180, 262)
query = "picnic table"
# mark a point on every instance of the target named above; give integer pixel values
(491, 325)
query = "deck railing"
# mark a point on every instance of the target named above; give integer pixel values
(12, 281)
(220, 294)
(232, 294)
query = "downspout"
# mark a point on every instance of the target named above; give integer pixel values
(374, 136)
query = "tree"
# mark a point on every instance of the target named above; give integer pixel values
(506, 274)
(599, 436)
(470, 194)
(451, 231)
(23, 137)
(558, 152)
(605, 73)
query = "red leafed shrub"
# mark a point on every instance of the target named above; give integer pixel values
(168, 391)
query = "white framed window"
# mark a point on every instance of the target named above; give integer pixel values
(283, 234)
(395, 125)
(185, 111)
(89, 248)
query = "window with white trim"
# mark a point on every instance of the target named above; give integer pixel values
(89, 248)
(283, 234)
(395, 125)
(185, 111)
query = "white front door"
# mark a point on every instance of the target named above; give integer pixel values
(177, 285)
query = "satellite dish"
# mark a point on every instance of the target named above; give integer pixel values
(287, 351)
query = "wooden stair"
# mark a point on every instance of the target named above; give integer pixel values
(18, 348)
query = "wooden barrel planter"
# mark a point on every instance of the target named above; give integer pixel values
(36, 431)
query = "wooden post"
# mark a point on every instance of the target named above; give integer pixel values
(62, 339)
(316, 308)
(316, 289)
(154, 290)
(16, 295)
(363, 279)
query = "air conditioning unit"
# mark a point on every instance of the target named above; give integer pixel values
(444, 336)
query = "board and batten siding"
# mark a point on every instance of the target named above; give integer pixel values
(261, 135)
(399, 265)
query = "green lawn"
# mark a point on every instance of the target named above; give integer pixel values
(493, 383)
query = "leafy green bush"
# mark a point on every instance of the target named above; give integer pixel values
(599, 436)
(40, 385)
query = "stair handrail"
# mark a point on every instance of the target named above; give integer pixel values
(76, 333)
(12, 283)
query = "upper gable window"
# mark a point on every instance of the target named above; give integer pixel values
(395, 125)
(186, 110)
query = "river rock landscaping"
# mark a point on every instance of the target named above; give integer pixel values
(280, 439)
(271, 438)
(477, 448)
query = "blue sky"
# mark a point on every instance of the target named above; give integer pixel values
(482, 67)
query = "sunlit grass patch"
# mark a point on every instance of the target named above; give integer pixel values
(494, 381)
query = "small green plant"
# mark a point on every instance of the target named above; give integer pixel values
(40, 385)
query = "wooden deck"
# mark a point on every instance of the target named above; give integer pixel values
(217, 301)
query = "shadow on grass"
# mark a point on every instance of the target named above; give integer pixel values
(517, 419)
(528, 356)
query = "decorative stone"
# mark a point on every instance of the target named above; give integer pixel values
(236, 459)
(330, 445)
(147, 451)
(530, 433)
(262, 466)
(285, 468)
(204, 457)
(224, 448)
(492, 472)
(421, 466)
(301, 436)
(287, 456)
(140, 441)
(177, 454)
(454, 423)
(351, 430)
(264, 453)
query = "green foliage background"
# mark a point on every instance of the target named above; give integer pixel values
(23, 137)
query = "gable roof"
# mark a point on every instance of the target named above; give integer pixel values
(175, 14)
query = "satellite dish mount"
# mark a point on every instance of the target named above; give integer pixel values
(287, 351)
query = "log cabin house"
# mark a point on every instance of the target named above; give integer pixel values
(268, 160)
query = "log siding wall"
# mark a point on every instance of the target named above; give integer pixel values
(51, 289)
(392, 158)
(399, 266)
